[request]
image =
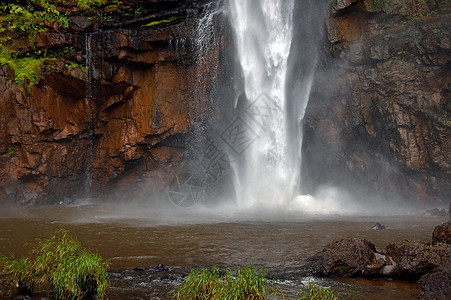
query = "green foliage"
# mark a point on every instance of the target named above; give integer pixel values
(153, 23)
(29, 20)
(317, 292)
(60, 262)
(244, 283)
(71, 270)
(26, 69)
(11, 151)
(18, 273)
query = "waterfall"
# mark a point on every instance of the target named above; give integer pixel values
(268, 171)
(89, 104)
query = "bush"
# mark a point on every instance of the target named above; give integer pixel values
(60, 262)
(245, 283)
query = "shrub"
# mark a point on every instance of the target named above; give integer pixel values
(317, 292)
(245, 283)
(72, 271)
(26, 69)
(60, 262)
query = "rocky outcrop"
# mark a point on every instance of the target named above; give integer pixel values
(358, 257)
(82, 132)
(379, 113)
(429, 263)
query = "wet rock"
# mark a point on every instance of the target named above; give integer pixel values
(121, 120)
(345, 258)
(442, 234)
(378, 226)
(357, 257)
(412, 259)
(80, 23)
(390, 129)
(161, 267)
(437, 285)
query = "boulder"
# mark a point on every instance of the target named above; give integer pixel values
(442, 233)
(347, 257)
(358, 257)
(437, 285)
(378, 226)
(412, 259)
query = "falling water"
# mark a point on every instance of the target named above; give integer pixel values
(267, 175)
(89, 99)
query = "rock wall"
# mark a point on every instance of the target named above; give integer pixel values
(82, 133)
(379, 115)
(378, 118)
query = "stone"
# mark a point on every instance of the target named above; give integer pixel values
(413, 258)
(80, 23)
(348, 257)
(437, 285)
(378, 226)
(442, 233)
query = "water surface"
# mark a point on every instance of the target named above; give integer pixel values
(133, 240)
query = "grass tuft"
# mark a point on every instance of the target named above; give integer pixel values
(243, 283)
(60, 262)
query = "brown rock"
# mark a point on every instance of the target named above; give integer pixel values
(413, 259)
(442, 233)
(79, 129)
(437, 285)
(349, 257)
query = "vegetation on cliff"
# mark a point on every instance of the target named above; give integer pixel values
(23, 20)
(60, 262)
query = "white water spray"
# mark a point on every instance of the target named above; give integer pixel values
(269, 174)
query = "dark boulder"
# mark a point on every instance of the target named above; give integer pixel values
(358, 257)
(346, 258)
(436, 286)
(412, 259)
(442, 234)
(378, 226)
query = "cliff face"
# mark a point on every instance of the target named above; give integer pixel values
(81, 133)
(380, 115)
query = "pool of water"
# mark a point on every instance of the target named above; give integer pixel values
(181, 241)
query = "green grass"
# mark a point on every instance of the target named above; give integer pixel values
(243, 283)
(19, 273)
(317, 292)
(61, 263)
